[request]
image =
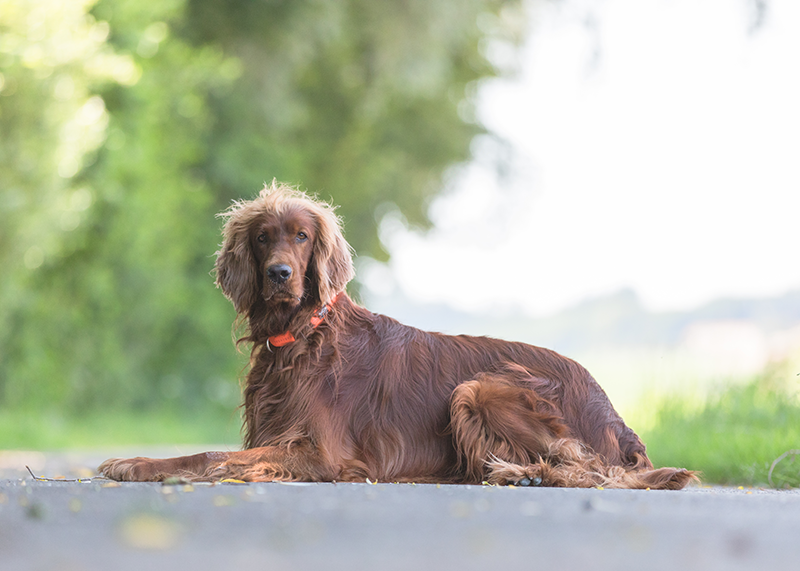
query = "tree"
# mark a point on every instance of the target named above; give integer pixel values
(143, 119)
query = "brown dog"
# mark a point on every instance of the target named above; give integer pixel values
(335, 392)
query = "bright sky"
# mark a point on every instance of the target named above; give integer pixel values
(670, 165)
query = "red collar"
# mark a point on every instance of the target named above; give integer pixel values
(286, 337)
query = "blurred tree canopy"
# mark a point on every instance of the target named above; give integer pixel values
(125, 125)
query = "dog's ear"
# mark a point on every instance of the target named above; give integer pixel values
(235, 268)
(331, 260)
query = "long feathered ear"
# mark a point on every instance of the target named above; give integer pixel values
(236, 267)
(332, 260)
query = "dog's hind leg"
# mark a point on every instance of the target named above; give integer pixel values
(505, 433)
(569, 464)
(494, 417)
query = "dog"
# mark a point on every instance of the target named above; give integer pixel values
(337, 393)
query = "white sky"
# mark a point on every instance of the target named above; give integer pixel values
(672, 166)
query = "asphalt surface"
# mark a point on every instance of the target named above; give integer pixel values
(98, 524)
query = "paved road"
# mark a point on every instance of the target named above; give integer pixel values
(99, 525)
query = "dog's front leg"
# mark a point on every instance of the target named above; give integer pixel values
(142, 469)
(298, 462)
(294, 463)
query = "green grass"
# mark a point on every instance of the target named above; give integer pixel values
(52, 430)
(734, 435)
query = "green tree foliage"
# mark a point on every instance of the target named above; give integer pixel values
(127, 124)
(367, 102)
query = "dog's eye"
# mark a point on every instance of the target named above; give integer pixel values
(302, 236)
(262, 238)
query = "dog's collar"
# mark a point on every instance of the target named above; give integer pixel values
(319, 316)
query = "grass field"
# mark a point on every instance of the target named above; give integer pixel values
(51, 430)
(734, 434)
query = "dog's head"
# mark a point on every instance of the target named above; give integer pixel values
(284, 248)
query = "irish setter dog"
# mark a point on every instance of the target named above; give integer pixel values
(336, 393)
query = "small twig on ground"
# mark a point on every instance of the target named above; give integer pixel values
(777, 460)
(43, 479)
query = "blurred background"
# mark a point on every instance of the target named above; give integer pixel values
(616, 180)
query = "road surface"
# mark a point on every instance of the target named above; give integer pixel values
(98, 524)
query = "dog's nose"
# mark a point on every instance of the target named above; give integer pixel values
(279, 273)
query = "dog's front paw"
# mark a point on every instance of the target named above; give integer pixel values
(131, 469)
